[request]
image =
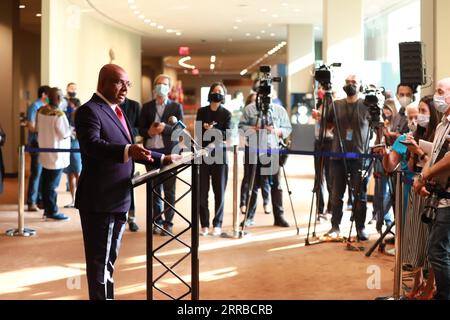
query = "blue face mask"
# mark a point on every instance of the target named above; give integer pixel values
(162, 90)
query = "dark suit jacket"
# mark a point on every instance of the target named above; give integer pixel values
(148, 116)
(105, 181)
(132, 110)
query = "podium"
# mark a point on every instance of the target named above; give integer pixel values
(152, 180)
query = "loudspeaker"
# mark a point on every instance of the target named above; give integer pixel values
(413, 69)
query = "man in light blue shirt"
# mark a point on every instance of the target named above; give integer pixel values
(277, 126)
(34, 194)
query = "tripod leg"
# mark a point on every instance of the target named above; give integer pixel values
(252, 186)
(290, 199)
(380, 240)
(310, 220)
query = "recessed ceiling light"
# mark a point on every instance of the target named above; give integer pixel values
(147, 21)
(153, 24)
(238, 20)
(297, 10)
(272, 34)
(178, 33)
(160, 27)
(212, 66)
(275, 15)
(263, 10)
(213, 59)
(136, 12)
(133, 7)
(235, 27)
(130, 1)
(38, 15)
(263, 31)
(142, 17)
(258, 37)
(22, 6)
(285, 4)
(248, 34)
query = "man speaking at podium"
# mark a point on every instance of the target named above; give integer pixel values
(104, 193)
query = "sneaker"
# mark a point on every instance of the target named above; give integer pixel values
(57, 217)
(204, 232)
(333, 233)
(248, 223)
(243, 209)
(33, 208)
(267, 209)
(363, 235)
(133, 227)
(217, 232)
(390, 252)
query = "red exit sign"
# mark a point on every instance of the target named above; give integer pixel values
(183, 51)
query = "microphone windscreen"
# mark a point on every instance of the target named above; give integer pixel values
(173, 120)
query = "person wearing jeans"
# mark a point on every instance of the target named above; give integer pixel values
(54, 133)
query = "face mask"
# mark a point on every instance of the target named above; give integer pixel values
(423, 120)
(412, 125)
(216, 97)
(162, 90)
(440, 103)
(72, 95)
(350, 90)
(405, 101)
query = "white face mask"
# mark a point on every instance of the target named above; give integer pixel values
(162, 90)
(440, 103)
(405, 101)
(423, 120)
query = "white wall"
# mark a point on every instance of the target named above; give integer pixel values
(76, 45)
(442, 43)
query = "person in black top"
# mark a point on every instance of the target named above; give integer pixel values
(132, 110)
(215, 121)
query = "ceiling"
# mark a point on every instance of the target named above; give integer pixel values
(238, 32)
(28, 19)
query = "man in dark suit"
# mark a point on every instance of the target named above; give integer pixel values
(104, 191)
(132, 110)
(155, 129)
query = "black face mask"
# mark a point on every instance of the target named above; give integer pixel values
(72, 94)
(351, 90)
(216, 97)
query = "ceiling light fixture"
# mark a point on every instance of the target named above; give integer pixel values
(22, 6)
(213, 59)
(271, 52)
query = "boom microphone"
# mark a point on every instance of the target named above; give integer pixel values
(179, 125)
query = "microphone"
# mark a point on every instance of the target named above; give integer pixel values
(179, 125)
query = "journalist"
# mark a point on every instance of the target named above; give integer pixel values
(353, 117)
(268, 137)
(437, 171)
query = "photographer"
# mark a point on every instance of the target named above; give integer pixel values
(278, 127)
(436, 172)
(353, 117)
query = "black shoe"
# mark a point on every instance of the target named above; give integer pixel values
(363, 235)
(168, 230)
(281, 222)
(133, 227)
(390, 241)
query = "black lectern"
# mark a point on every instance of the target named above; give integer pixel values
(152, 179)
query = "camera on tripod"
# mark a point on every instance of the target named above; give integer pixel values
(323, 75)
(432, 202)
(374, 100)
(264, 90)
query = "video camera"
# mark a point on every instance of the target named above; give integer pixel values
(264, 89)
(323, 75)
(374, 99)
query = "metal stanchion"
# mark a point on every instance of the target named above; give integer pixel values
(235, 234)
(21, 231)
(398, 236)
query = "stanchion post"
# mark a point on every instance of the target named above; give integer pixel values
(21, 231)
(398, 236)
(195, 263)
(235, 191)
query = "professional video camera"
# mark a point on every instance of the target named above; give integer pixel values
(264, 89)
(374, 99)
(432, 202)
(323, 75)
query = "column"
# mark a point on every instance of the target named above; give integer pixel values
(435, 26)
(343, 37)
(300, 59)
(9, 13)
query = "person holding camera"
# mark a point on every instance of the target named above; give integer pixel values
(265, 136)
(352, 133)
(436, 173)
(216, 122)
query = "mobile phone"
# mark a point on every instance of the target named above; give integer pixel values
(407, 143)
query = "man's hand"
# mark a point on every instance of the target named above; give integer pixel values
(156, 129)
(139, 153)
(380, 151)
(171, 158)
(316, 115)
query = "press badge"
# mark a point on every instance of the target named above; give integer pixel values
(349, 136)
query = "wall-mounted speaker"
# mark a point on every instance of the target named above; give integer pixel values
(413, 70)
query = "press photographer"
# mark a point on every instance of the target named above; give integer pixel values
(264, 124)
(351, 119)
